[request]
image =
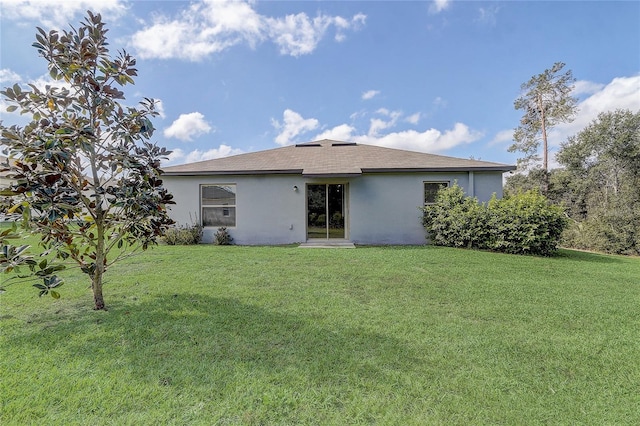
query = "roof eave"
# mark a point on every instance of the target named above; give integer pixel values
(496, 168)
(231, 172)
(500, 168)
(331, 175)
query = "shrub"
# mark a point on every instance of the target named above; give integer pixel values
(456, 220)
(222, 237)
(184, 235)
(607, 231)
(524, 223)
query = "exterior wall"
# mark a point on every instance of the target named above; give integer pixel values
(268, 210)
(381, 208)
(385, 208)
(486, 184)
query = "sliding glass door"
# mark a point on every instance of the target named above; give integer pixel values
(326, 211)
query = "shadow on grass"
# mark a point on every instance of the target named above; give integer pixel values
(193, 340)
(586, 256)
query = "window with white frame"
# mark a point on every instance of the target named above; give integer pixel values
(218, 205)
(431, 191)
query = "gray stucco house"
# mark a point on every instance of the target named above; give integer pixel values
(322, 190)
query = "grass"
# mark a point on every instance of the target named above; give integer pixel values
(376, 335)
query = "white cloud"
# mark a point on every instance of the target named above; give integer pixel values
(45, 80)
(370, 94)
(298, 34)
(188, 126)
(438, 6)
(7, 76)
(178, 156)
(414, 118)
(212, 26)
(59, 14)
(222, 151)
(378, 124)
(586, 87)
(293, 125)
(356, 23)
(159, 105)
(502, 137)
(620, 93)
(431, 140)
(200, 30)
(343, 132)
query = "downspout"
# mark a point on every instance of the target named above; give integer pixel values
(471, 192)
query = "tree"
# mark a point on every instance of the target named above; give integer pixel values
(86, 178)
(602, 165)
(606, 152)
(546, 101)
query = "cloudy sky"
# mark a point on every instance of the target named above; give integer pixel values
(432, 76)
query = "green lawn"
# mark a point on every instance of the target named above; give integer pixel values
(376, 335)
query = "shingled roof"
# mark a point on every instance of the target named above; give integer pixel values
(332, 158)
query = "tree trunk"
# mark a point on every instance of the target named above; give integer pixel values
(96, 286)
(96, 278)
(545, 146)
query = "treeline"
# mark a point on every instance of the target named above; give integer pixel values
(597, 184)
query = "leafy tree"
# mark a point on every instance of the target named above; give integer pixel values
(86, 178)
(525, 181)
(602, 168)
(546, 101)
(607, 152)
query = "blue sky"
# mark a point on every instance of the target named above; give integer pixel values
(431, 76)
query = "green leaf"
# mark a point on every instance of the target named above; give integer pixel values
(12, 108)
(55, 294)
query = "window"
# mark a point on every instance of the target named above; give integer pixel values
(218, 204)
(431, 191)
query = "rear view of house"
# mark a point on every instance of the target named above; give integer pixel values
(322, 190)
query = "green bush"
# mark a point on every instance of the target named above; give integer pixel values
(222, 237)
(184, 235)
(524, 223)
(456, 220)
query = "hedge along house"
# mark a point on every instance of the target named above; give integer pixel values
(323, 190)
